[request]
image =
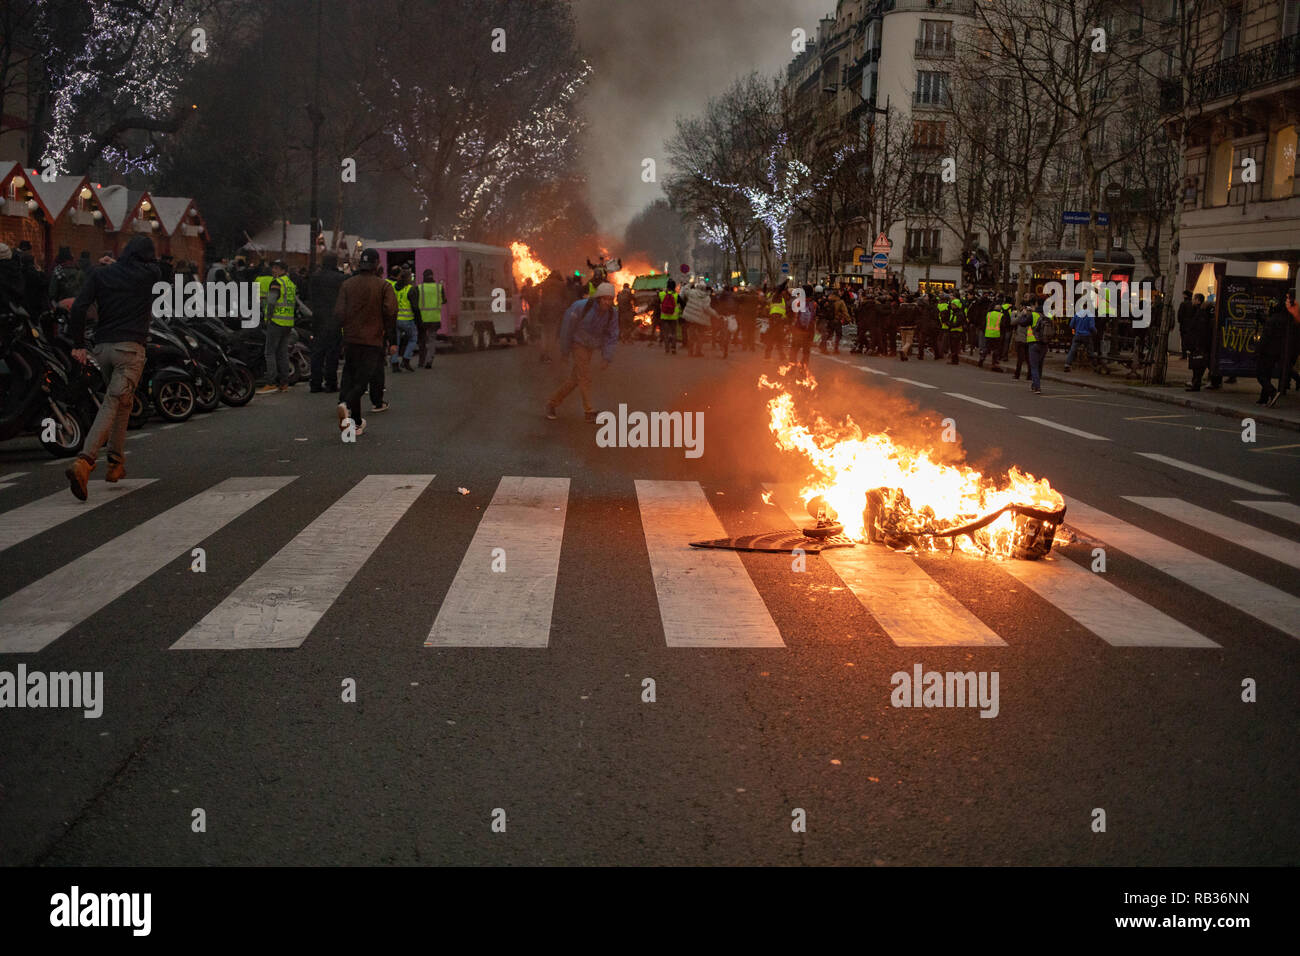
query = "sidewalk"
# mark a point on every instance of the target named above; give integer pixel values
(1233, 400)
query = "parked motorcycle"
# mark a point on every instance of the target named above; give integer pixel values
(222, 378)
(38, 392)
(168, 383)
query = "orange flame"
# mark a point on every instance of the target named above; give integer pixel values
(525, 265)
(923, 495)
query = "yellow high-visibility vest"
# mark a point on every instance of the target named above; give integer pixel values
(283, 312)
(430, 302)
(404, 313)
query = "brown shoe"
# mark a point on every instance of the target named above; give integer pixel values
(116, 471)
(78, 474)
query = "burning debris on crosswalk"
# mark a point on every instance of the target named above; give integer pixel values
(874, 489)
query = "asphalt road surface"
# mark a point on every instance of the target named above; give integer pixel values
(516, 696)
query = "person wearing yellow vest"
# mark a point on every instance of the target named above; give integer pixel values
(408, 316)
(281, 296)
(778, 321)
(670, 311)
(1037, 337)
(991, 341)
(431, 298)
(950, 323)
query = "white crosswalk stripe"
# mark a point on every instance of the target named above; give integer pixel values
(12, 475)
(706, 598)
(5, 484)
(1114, 615)
(1238, 532)
(45, 513)
(1278, 509)
(46, 609)
(1255, 598)
(505, 597)
(279, 604)
(911, 606)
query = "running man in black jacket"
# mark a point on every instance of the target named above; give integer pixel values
(123, 293)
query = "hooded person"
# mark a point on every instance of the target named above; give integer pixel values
(590, 324)
(123, 296)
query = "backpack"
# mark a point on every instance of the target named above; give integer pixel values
(669, 304)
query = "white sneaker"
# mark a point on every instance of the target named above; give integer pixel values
(362, 427)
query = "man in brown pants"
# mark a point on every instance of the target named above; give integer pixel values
(123, 295)
(589, 324)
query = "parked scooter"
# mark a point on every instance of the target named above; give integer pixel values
(168, 383)
(222, 379)
(37, 392)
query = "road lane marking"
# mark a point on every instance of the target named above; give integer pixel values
(510, 608)
(976, 401)
(1237, 532)
(1274, 447)
(1065, 428)
(911, 607)
(174, 424)
(1255, 598)
(140, 435)
(45, 513)
(280, 602)
(1110, 612)
(5, 484)
(47, 609)
(873, 371)
(1254, 489)
(899, 378)
(12, 475)
(706, 597)
(1150, 418)
(1278, 509)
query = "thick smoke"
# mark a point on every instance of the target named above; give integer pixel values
(656, 61)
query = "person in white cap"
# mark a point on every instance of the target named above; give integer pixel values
(589, 324)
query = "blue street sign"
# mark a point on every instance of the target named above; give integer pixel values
(1080, 218)
(785, 268)
(880, 261)
(862, 259)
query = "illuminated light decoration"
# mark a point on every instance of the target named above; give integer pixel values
(147, 83)
(536, 143)
(145, 206)
(18, 182)
(785, 187)
(85, 192)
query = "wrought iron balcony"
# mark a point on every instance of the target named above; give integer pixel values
(1236, 75)
(934, 51)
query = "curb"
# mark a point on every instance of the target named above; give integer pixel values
(1228, 411)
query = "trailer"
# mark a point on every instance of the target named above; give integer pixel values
(482, 305)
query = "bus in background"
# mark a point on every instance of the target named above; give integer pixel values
(470, 272)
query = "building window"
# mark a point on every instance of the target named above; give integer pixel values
(1284, 149)
(1222, 173)
(1290, 18)
(923, 243)
(927, 133)
(931, 87)
(1231, 32)
(927, 191)
(936, 37)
